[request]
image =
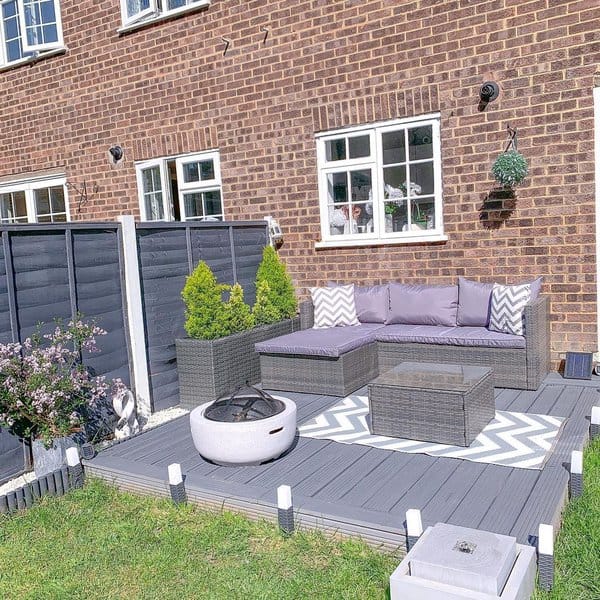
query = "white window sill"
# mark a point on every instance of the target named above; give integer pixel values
(31, 60)
(173, 14)
(354, 243)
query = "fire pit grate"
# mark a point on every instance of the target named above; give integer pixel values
(247, 403)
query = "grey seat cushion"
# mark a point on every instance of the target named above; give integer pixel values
(333, 341)
(451, 336)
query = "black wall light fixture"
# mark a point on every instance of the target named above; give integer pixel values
(116, 156)
(488, 92)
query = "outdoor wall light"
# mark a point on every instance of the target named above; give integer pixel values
(116, 155)
(488, 92)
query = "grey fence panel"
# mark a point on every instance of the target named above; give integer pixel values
(59, 270)
(98, 285)
(11, 456)
(5, 328)
(41, 278)
(167, 253)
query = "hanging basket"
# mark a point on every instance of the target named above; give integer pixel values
(510, 169)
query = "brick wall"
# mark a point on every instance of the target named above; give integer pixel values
(169, 89)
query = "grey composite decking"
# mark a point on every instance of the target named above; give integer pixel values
(364, 491)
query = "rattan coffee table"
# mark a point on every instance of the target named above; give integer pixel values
(430, 402)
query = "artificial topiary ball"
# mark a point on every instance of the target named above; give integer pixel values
(510, 168)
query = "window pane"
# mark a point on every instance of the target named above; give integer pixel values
(45, 219)
(154, 206)
(151, 179)
(212, 202)
(199, 171)
(207, 170)
(57, 197)
(337, 187)
(61, 218)
(193, 205)
(394, 182)
(358, 147)
(423, 214)
(13, 208)
(137, 6)
(420, 143)
(42, 201)
(336, 149)
(173, 4)
(361, 184)
(12, 34)
(394, 150)
(421, 174)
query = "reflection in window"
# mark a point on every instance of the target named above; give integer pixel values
(382, 181)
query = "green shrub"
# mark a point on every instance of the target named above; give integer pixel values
(236, 314)
(204, 307)
(264, 312)
(280, 294)
(510, 168)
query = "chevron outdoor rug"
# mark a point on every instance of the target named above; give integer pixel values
(512, 439)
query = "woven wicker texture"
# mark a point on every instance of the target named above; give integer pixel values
(210, 369)
(431, 413)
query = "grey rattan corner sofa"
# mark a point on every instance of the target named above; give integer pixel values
(339, 360)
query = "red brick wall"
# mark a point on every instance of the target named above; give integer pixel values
(168, 89)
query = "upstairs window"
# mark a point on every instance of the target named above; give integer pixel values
(37, 201)
(381, 183)
(183, 188)
(141, 11)
(28, 28)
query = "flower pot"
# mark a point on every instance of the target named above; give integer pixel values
(210, 369)
(47, 460)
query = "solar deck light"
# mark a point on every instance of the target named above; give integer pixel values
(576, 480)
(176, 485)
(414, 527)
(285, 509)
(595, 427)
(546, 556)
(75, 468)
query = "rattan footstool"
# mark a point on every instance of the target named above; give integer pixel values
(445, 404)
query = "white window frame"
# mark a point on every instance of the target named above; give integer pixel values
(166, 195)
(29, 187)
(182, 186)
(155, 13)
(207, 185)
(374, 162)
(127, 19)
(41, 47)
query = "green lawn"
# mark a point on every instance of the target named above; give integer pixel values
(99, 543)
(577, 550)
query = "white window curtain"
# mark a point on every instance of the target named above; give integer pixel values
(41, 26)
(134, 10)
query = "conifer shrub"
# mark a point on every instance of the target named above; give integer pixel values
(280, 294)
(204, 306)
(264, 311)
(236, 314)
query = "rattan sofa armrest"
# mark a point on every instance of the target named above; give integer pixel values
(307, 315)
(536, 315)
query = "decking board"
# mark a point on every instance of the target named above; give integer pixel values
(365, 491)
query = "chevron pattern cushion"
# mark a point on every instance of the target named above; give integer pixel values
(334, 306)
(508, 304)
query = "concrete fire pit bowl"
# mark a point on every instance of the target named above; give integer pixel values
(246, 442)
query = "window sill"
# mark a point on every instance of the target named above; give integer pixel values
(163, 17)
(31, 60)
(355, 243)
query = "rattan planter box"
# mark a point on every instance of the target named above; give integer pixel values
(445, 404)
(210, 369)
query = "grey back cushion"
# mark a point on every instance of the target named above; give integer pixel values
(474, 301)
(423, 304)
(372, 302)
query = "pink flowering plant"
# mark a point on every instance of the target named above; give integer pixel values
(45, 390)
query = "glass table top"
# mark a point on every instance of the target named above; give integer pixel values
(459, 378)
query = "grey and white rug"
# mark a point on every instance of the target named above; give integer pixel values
(511, 439)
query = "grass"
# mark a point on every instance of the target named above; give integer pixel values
(101, 543)
(577, 550)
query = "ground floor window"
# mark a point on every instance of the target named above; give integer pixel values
(34, 201)
(381, 182)
(181, 188)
